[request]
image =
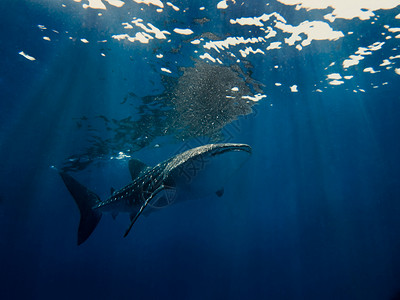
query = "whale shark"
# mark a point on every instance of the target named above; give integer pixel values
(194, 173)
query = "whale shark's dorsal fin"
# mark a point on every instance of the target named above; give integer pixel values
(136, 167)
(112, 190)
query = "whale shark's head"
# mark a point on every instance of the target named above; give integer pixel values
(206, 169)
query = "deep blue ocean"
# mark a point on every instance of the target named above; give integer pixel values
(314, 90)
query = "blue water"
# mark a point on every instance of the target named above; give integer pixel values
(314, 213)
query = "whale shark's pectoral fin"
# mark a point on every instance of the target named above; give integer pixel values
(220, 192)
(133, 220)
(136, 167)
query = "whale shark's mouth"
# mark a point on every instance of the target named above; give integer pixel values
(205, 170)
(232, 147)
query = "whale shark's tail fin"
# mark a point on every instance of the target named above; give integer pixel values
(85, 199)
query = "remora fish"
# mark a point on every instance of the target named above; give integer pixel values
(191, 174)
